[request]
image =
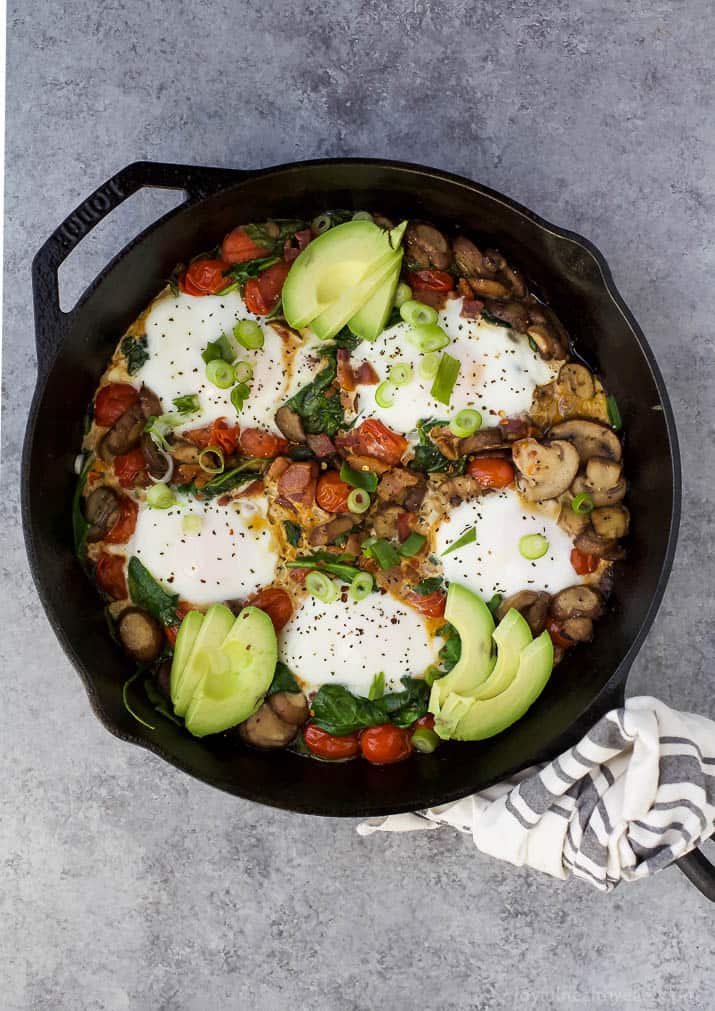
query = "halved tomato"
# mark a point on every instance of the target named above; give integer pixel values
(129, 466)
(109, 574)
(276, 603)
(491, 471)
(332, 492)
(112, 401)
(258, 442)
(205, 277)
(328, 746)
(430, 280)
(385, 744)
(124, 527)
(431, 604)
(239, 247)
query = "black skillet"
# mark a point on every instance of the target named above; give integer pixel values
(72, 350)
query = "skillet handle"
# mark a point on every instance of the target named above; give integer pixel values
(700, 871)
(51, 323)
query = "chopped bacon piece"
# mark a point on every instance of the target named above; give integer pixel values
(373, 439)
(321, 444)
(297, 482)
(365, 375)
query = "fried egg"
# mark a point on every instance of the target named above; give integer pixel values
(348, 643)
(493, 563)
(232, 555)
(498, 375)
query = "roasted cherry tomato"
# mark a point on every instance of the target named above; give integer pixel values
(554, 630)
(129, 466)
(430, 280)
(491, 471)
(258, 442)
(124, 527)
(276, 603)
(109, 574)
(204, 277)
(377, 440)
(327, 746)
(432, 605)
(583, 563)
(425, 722)
(239, 247)
(112, 401)
(220, 434)
(261, 294)
(385, 744)
(332, 493)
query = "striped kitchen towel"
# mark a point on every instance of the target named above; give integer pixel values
(636, 793)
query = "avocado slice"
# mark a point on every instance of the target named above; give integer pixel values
(216, 625)
(511, 635)
(337, 314)
(488, 717)
(188, 631)
(331, 264)
(474, 622)
(240, 674)
(369, 322)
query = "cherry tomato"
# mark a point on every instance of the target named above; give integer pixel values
(204, 277)
(253, 298)
(377, 440)
(109, 574)
(584, 563)
(220, 434)
(261, 294)
(554, 630)
(491, 471)
(332, 492)
(129, 466)
(239, 247)
(432, 605)
(276, 603)
(171, 631)
(124, 527)
(385, 744)
(430, 280)
(257, 442)
(425, 722)
(112, 401)
(327, 746)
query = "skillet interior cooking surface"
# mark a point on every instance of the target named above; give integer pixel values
(72, 352)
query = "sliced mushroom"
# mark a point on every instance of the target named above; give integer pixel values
(610, 522)
(573, 523)
(140, 634)
(532, 605)
(603, 474)
(591, 544)
(489, 288)
(460, 488)
(102, 510)
(576, 602)
(150, 403)
(545, 471)
(516, 314)
(426, 247)
(601, 497)
(577, 629)
(290, 424)
(468, 258)
(291, 707)
(385, 522)
(396, 484)
(578, 380)
(155, 460)
(265, 729)
(184, 451)
(445, 441)
(328, 532)
(416, 494)
(590, 439)
(514, 279)
(487, 438)
(124, 434)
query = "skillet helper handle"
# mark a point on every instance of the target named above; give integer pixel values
(51, 323)
(699, 871)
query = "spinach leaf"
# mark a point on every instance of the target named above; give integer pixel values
(135, 351)
(80, 526)
(149, 595)
(494, 603)
(394, 318)
(221, 348)
(452, 649)
(346, 339)
(403, 708)
(318, 403)
(427, 456)
(293, 533)
(338, 711)
(283, 681)
(187, 404)
(430, 585)
(239, 273)
(161, 704)
(269, 239)
(319, 564)
(249, 470)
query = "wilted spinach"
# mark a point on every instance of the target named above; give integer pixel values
(135, 351)
(427, 456)
(149, 595)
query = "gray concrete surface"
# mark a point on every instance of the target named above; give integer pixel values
(126, 885)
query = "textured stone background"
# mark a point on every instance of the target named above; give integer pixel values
(127, 885)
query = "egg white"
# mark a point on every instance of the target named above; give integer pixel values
(493, 564)
(348, 643)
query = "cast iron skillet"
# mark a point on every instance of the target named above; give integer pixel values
(73, 348)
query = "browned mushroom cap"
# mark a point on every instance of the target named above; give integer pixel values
(514, 280)
(290, 424)
(602, 474)
(578, 380)
(150, 403)
(460, 488)
(576, 602)
(184, 451)
(395, 487)
(487, 438)
(578, 629)
(590, 439)
(265, 729)
(140, 634)
(426, 247)
(545, 471)
(327, 532)
(124, 434)
(385, 522)
(516, 314)
(155, 461)
(101, 509)
(468, 258)
(591, 544)
(546, 331)
(533, 605)
(291, 707)
(573, 523)
(445, 441)
(600, 496)
(610, 522)
(489, 288)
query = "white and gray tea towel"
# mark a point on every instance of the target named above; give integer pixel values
(636, 793)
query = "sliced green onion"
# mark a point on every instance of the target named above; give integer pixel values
(208, 456)
(188, 404)
(582, 504)
(384, 554)
(192, 523)
(400, 374)
(345, 572)
(416, 313)
(425, 740)
(244, 371)
(465, 423)
(427, 337)
(403, 294)
(361, 586)
(320, 586)
(366, 546)
(414, 543)
(494, 603)
(358, 478)
(358, 501)
(220, 373)
(445, 379)
(234, 286)
(533, 546)
(239, 394)
(614, 415)
(249, 334)
(362, 216)
(385, 394)
(427, 367)
(160, 497)
(321, 223)
(468, 537)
